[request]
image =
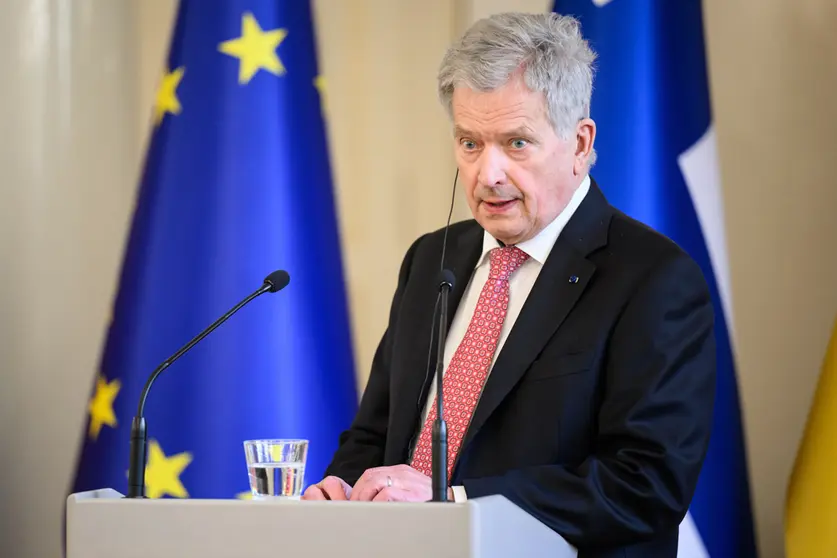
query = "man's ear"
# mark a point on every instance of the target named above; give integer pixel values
(585, 138)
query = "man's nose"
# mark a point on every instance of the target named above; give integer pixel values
(492, 167)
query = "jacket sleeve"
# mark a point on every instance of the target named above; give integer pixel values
(654, 423)
(362, 446)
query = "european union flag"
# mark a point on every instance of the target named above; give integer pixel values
(236, 184)
(657, 162)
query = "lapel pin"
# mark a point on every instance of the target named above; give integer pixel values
(573, 278)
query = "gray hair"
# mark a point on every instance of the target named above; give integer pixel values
(554, 57)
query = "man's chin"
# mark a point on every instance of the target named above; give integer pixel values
(505, 234)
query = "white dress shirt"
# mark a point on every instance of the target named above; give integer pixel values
(520, 285)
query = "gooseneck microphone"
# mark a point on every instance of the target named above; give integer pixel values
(439, 447)
(274, 282)
(439, 440)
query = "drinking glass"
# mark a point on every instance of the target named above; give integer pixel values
(276, 468)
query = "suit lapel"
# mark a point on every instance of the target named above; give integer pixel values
(413, 385)
(462, 264)
(564, 277)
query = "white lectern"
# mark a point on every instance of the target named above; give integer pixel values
(101, 524)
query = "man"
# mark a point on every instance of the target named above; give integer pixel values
(580, 361)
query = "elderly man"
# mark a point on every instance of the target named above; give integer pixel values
(580, 363)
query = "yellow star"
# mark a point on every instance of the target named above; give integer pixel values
(101, 406)
(167, 95)
(255, 49)
(320, 84)
(162, 474)
(244, 495)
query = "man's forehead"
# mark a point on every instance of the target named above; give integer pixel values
(510, 107)
(514, 88)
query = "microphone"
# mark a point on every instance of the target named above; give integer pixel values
(439, 447)
(439, 439)
(274, 282)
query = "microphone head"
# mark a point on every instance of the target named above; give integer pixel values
(277, 280)
(447, 279)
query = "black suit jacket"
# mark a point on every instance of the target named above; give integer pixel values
(596, 416)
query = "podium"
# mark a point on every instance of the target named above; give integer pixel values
(103, 524)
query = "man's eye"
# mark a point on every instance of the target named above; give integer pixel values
(468, 144)
(519, 143)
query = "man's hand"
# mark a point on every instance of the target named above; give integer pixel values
(330, 488)
(400, 483)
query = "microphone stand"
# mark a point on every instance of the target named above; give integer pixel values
(276, 281)
(439, 448)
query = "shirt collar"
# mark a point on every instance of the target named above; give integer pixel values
(538, 247)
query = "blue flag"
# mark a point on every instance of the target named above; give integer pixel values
(236, 184)
(657, 162)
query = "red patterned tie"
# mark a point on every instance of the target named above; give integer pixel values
(468, 369)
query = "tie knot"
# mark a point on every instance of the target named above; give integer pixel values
(505, 261)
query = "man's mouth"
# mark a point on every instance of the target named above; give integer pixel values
(499, 205)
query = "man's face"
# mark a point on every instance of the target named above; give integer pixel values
(517, 173)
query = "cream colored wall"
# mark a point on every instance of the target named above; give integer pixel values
(773, 67)
(391, 151)
(77, 86)
(68, 158)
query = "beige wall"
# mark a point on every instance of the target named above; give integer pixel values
(773, 68)
(77, 86)
(68, 155)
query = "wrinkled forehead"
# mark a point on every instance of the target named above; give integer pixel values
(511, 106)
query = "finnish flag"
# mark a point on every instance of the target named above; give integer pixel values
(657, 162)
